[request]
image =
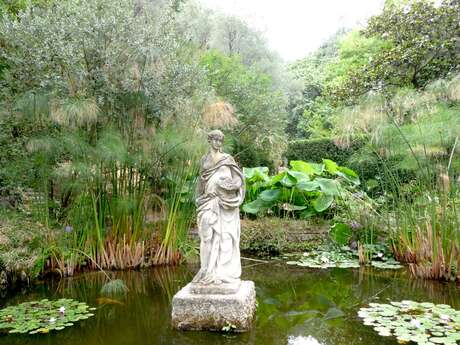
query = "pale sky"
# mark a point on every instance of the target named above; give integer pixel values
(295, 28)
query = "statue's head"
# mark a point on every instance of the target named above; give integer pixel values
(216, 139)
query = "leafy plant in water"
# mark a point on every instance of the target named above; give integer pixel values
(43, 316)
(304, 190)
(343, 258)
(421, 323)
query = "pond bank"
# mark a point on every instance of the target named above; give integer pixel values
(21, 244)
(274, 236)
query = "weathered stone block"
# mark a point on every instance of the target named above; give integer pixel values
(191, 311)
(212, 289)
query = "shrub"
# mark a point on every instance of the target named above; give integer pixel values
(305, 190)
(314, 150)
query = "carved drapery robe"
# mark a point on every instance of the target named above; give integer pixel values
(220, 192)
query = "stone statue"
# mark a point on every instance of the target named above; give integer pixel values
(216, 297)
(220, 192)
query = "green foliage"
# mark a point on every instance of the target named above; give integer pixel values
(114, 287)
(13, 7)
(232, 36)
(260, 109)
(424, 226)
(22, 240)
(314, 150)
(43, 316)
(82, 65)
(273, 235)
(341, 233)
(310, 113)
(430, 139)
(304, 190)
(421, 47)
(104, 109)
(355, 51)
(328, 257)
(409, 321)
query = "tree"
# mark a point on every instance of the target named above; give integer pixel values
(232, 35)
(421, 45)
(308, 112)
(259, 108)
(101, 53)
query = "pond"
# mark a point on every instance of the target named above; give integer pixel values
(294, 304)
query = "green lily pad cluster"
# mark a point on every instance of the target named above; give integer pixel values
(43, 316)
(409, 321)
(326, 259)
(346, 258)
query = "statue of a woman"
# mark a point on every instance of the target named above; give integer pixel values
(220, 192)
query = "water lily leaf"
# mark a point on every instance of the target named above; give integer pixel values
(276, 178)
(42, 316)
(290, 207)
(310, 212)
(421, 323)
(288, 180)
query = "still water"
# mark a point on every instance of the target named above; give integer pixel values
(294, 305)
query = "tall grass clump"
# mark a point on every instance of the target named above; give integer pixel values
(179, 179)
(425, 229)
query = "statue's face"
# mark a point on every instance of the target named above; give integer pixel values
(216, 143)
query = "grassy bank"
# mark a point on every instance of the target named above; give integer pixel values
(21, 246)
(274, 236)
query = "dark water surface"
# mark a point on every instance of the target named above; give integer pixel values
(292, 302)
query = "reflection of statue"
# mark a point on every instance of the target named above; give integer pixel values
(220, 192)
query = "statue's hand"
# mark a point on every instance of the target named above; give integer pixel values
(211, 195)
(228, 184)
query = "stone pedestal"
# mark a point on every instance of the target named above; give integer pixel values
(197, 307)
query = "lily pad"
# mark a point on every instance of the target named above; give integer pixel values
(43, 316)
(421, 323)
(343, 258)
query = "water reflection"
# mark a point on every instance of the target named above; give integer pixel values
(295, 306)
(300, 340)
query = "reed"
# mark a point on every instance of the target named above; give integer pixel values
(180, 214)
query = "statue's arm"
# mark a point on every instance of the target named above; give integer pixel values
(233, 183)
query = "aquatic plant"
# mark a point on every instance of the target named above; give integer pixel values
(425, 232)
(326, 259)
(43, 316)
(422, 323)
(343, 258)
(304, 190)
(114, 287)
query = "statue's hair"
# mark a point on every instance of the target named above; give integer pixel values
(216, 134)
